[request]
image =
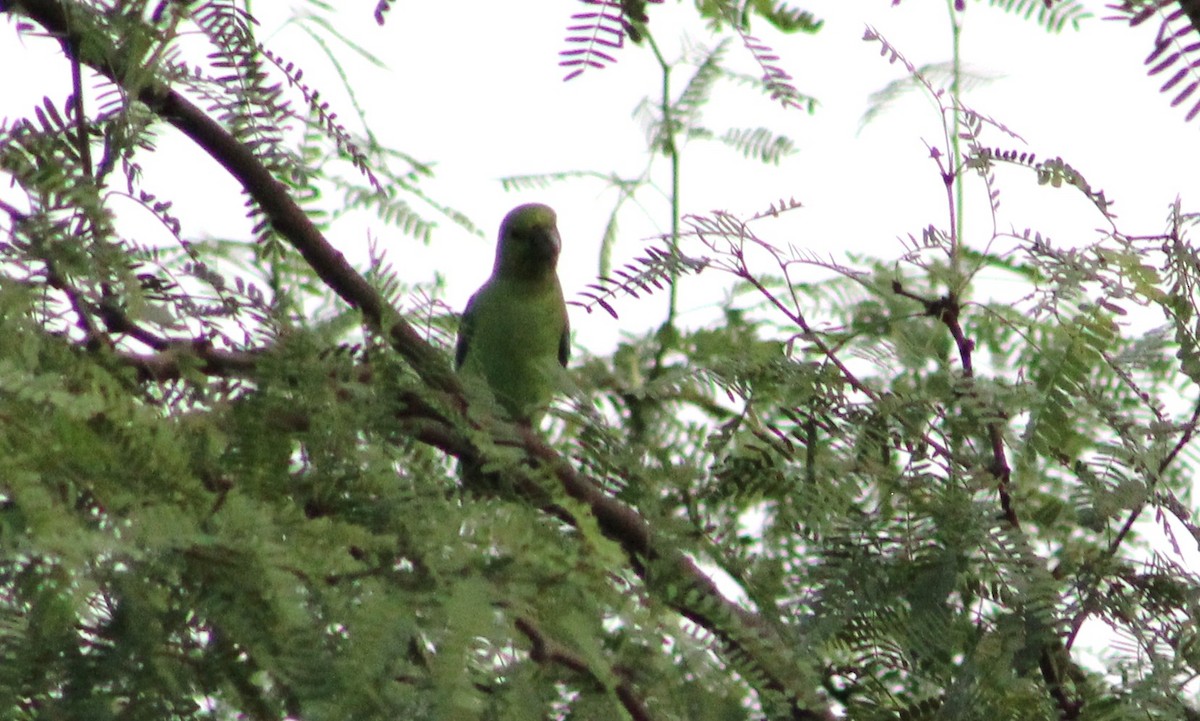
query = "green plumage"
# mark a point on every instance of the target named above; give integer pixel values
(514, 332)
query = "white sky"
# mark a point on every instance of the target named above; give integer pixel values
(487, 100)
(476, 89)
(481, 96)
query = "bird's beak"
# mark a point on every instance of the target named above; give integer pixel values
(549, 243)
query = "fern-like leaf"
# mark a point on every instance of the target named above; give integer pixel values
(541, 181)
(784, 18)
(1054, 17)
(594, 35)
(327, 118)
(686, 110)
(759, 143)
(648, 274)
(776, 80)
(936, 74)
(782, 205)
(1176, 48)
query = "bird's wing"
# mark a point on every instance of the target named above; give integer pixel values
(466, 327)
(564, 341)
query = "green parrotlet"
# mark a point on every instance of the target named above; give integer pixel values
(514, 332)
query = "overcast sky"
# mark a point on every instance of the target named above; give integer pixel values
(476, 90)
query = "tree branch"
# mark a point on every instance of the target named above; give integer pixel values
(947, 310)
(544, 650)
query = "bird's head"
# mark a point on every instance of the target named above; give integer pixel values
(529, 243)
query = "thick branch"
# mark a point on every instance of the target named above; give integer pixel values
(544, 651)
(171, 362)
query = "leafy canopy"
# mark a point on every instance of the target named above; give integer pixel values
(228, 481)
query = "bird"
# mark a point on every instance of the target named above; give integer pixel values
(515, 334)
